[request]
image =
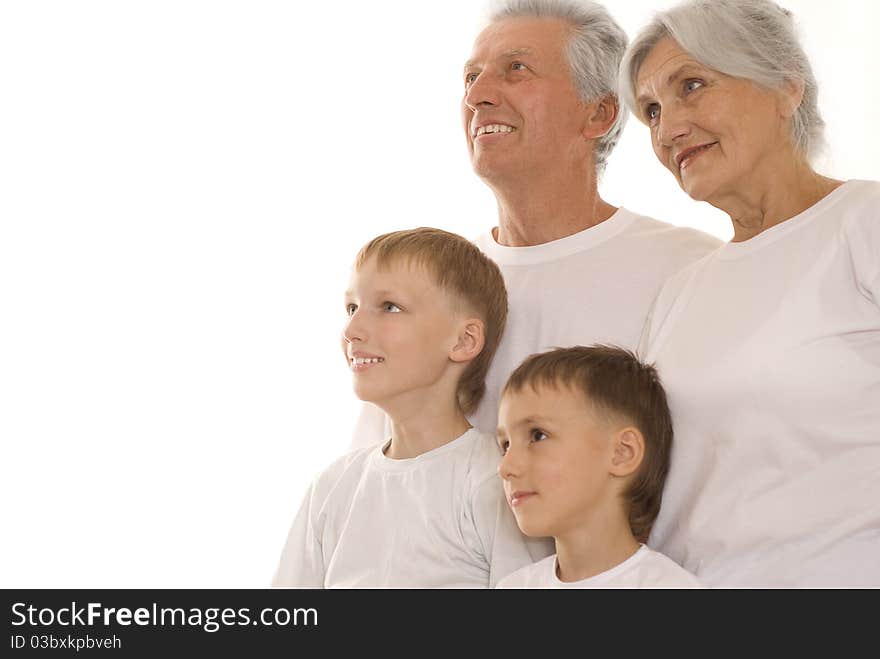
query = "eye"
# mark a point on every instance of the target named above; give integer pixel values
(652, 112)
(350, 308)
(518, 66)
(537, 435)
(503, 445)
(390, 307)
(691, 85)
(469, 79)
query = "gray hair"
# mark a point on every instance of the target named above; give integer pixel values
(594, 52)
(751, 39)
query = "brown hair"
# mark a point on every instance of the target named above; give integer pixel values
(615, 382)
(469, 276)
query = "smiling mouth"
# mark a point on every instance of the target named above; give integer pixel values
(687, 157)
(362, 363)
(492, 129)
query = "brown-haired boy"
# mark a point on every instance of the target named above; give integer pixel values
(426, 310)
(586, 435)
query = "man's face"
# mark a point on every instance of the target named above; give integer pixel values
(521, 111)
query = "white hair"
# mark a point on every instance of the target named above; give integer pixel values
(594, 53)
(751, 39)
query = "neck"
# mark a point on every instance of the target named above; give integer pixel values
(767, 200)
(417, 429)
(593, 548)
(549, 207)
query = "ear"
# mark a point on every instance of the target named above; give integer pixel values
(791, 95)
(629, 450)
(601, 116)
(471, 339)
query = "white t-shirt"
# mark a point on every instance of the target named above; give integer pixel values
(439, 520)
(769, 351)
(595, 286)
(644, 569)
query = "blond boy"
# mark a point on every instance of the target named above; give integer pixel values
(586, 435)
(426, 310)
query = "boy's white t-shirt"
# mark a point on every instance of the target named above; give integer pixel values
(439, 520)
(769, 350)
(595, 286)
(646, 568)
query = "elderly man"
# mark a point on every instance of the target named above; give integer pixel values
(541, 116)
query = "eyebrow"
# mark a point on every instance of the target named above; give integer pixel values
(536, 419)
(383, 294)
(680, 72)
(394, 294)
(507, 54)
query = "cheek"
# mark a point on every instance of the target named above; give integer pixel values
(550, 472)
(408, 338)
(751, 139)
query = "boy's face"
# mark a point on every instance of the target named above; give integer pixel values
(400, 331)
(557, 455)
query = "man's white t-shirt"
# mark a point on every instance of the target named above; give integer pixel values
(595, 286)
(769, 350)
(439, 520)
(644, 569)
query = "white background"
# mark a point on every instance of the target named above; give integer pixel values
(183, 186)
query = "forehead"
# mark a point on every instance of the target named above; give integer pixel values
(542, 37)
(661, 64)
(545, 399)
(396, 267)
(399, 273)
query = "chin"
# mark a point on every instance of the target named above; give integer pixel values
(483, 170)
(695, 191)
(701, 188)
(533, 530)
(366, 394)
(489, 166)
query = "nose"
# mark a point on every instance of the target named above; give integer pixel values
(354, 329)
(672, 125)
(510, 466)
(482, 92)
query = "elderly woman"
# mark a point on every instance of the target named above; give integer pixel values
(769, 347)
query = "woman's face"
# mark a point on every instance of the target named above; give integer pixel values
(719, 136)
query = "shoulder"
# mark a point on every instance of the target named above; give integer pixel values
(853, 210)
(862, 192)
(659, 571)
(670, 291)
(485, 240)
(669, 235)
(858, 207)
(661, 250)
(482, 489)
(536, 575)
(482, 456)
(347, 468)
(673, 284)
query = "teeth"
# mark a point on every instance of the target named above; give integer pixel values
(695, 152)
(493, 128)
(357, 361)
